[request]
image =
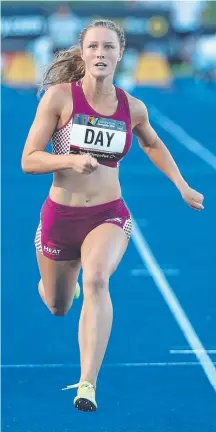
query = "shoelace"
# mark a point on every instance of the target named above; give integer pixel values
(80, 384)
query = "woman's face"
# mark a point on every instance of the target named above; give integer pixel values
(101, 51)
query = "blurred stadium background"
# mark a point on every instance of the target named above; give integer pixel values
(165, 39)
(158, 374)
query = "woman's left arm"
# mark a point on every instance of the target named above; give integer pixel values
(156, 150)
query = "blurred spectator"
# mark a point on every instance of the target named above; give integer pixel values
(148, 4)
(63, 27)
(186, 15)
(129, 60)
(42, 51)
(127, 69)
(204, 58)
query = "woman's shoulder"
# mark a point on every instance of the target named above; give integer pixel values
(137, 108)
(59, 89)
(134, 103)
(56, 96)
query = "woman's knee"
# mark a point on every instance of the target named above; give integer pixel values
(95, 280)
(58, 310)
(57, 307)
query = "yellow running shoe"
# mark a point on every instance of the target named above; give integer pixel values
(77, 291)
(85, 399)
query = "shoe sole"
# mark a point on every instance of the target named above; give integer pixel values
(83, 404)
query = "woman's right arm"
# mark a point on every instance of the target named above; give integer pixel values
(34, 158)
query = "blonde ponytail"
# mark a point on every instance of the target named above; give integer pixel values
(66, 67)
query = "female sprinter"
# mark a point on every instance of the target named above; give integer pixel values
(84, 221)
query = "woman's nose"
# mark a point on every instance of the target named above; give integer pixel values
(100, 52)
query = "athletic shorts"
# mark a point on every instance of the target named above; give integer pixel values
(62, 229)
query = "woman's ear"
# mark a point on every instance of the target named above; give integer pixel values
(120, 56)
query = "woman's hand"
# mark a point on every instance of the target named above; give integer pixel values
(84, 164)
(193, 198)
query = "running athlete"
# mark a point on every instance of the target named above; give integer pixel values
(84, 221)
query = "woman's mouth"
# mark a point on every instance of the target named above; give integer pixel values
(100, 65)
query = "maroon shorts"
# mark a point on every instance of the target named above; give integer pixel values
(62, 229)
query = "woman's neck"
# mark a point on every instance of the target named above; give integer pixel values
(97, 89)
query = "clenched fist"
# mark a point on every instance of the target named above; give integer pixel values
(84, 164)
(193, 198)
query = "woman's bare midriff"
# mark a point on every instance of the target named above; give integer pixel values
(85, 190)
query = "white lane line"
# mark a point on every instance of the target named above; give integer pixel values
(109, 365)
(145, 272)
(187, 351)
(180, 135)
(173, 303)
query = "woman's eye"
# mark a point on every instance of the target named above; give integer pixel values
(95, 46)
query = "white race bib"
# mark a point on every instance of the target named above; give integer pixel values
(98, 134)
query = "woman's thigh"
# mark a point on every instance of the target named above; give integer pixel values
(103, 249)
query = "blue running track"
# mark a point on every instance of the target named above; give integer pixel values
(150, 380)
